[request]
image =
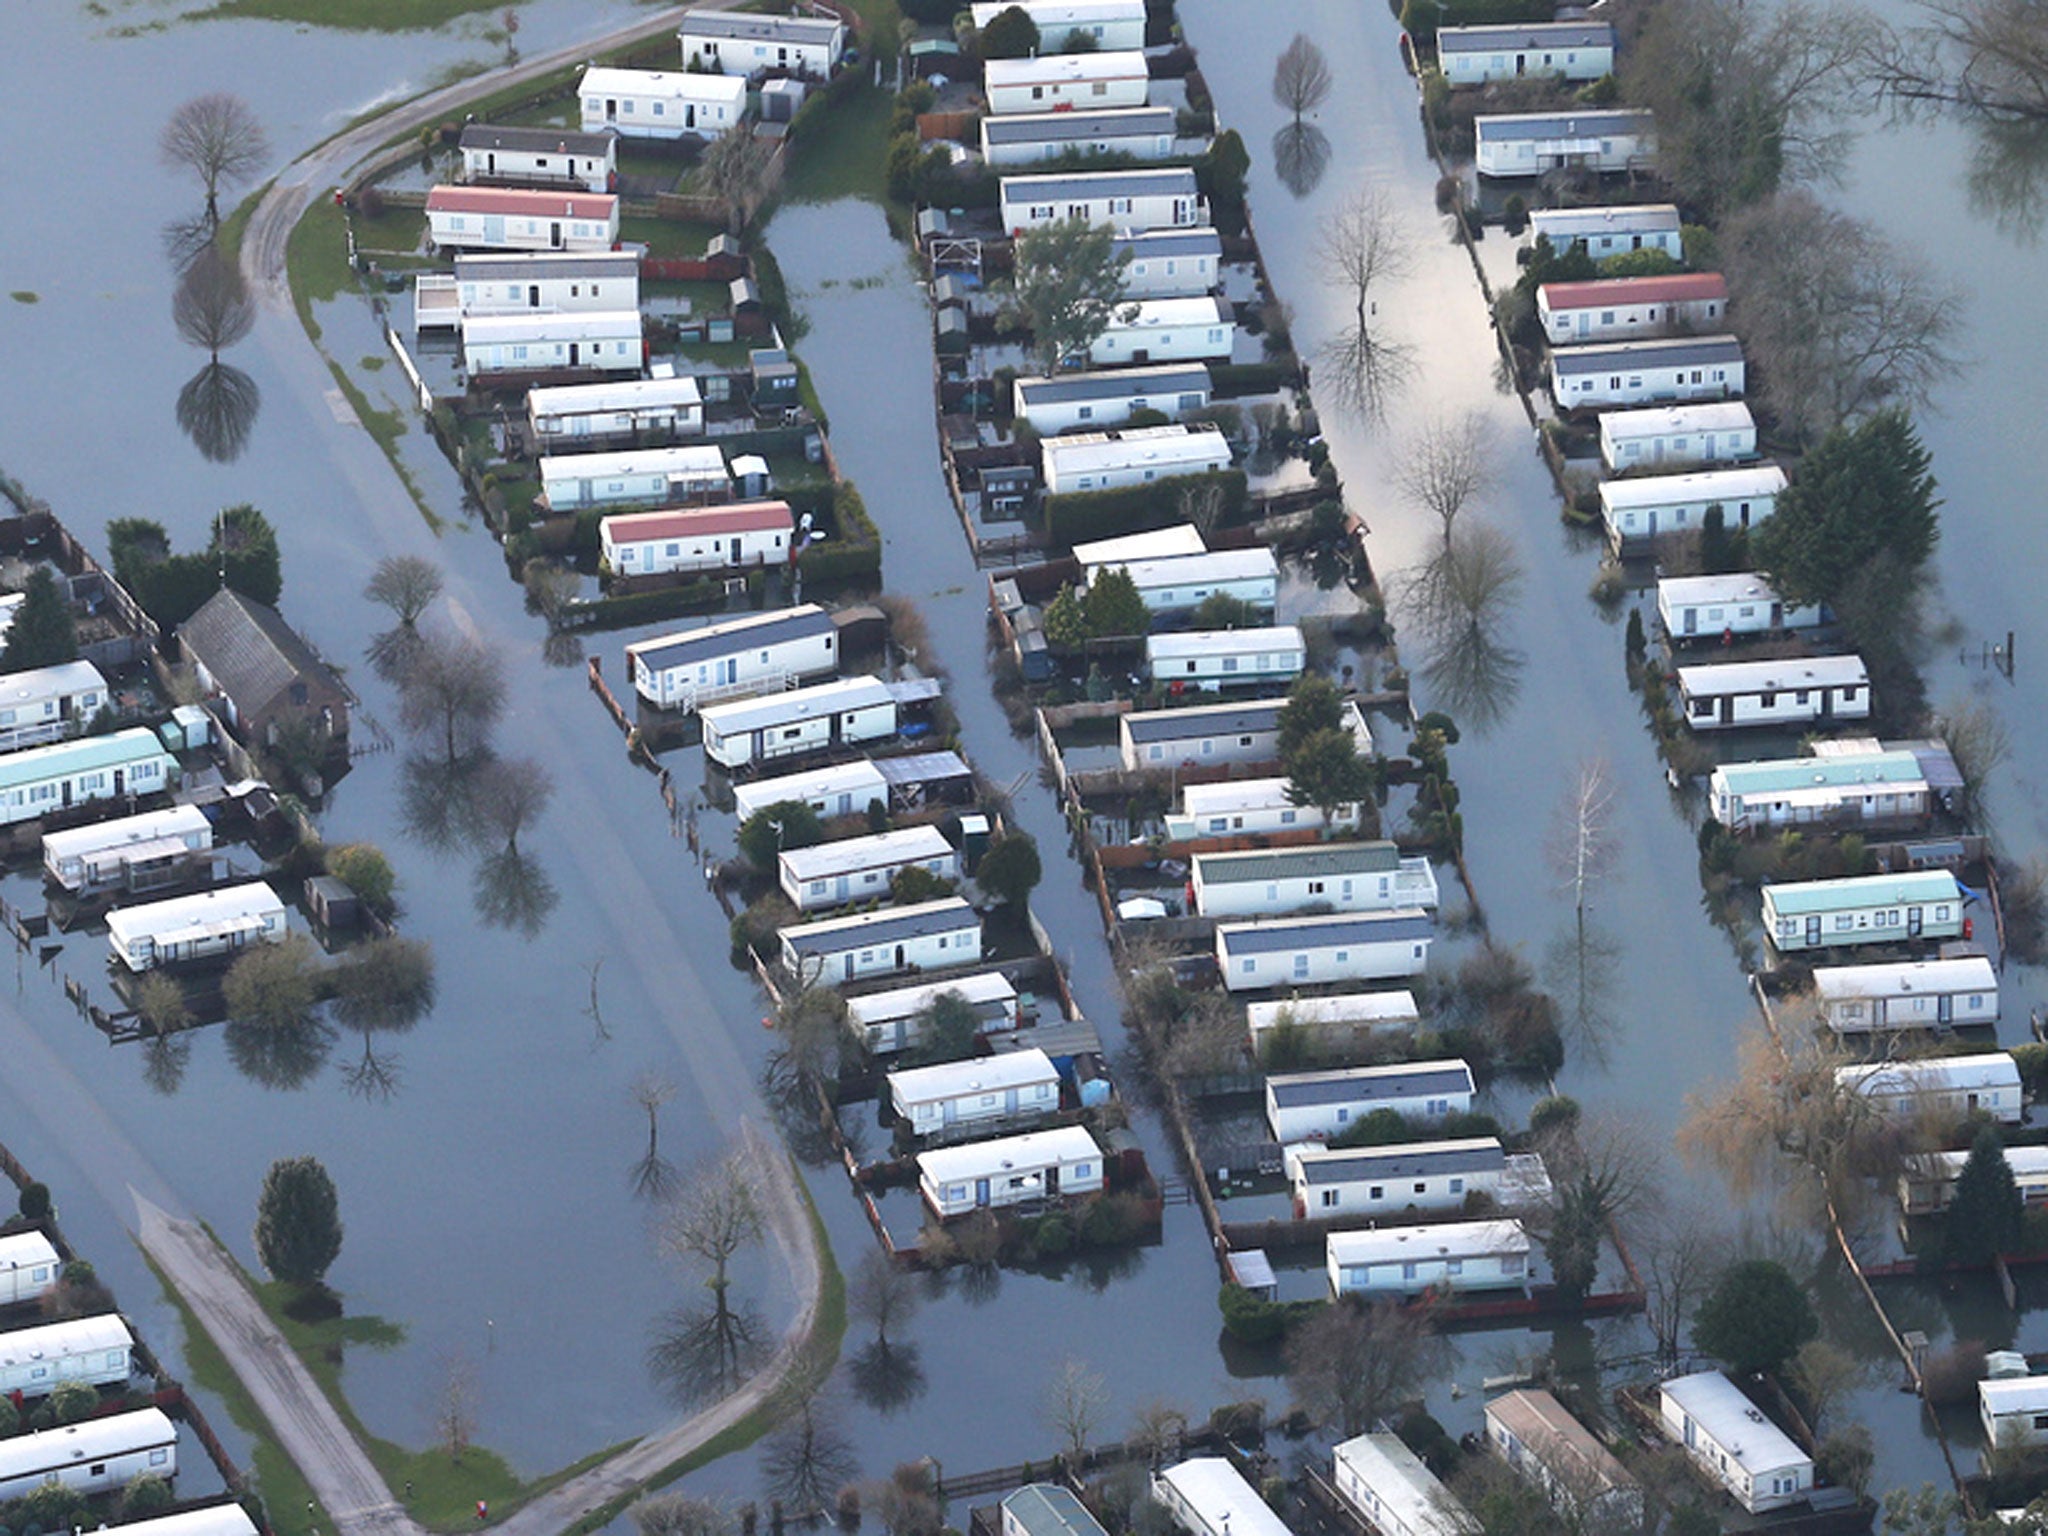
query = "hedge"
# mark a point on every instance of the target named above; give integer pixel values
(1228, 379)
(856, 554)
(1086, 515)
(666, 603)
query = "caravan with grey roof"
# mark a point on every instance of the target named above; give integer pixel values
(1339, 877)
(1089, 401)
(1130, 200)
(1672, 369)
(1565, 50)
(1531, 143)
(1316, 1106)
(1304, 951)
(1029, 138)
(929, 936)
(760, 653)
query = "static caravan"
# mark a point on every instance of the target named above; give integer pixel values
(547, 283)
(1249, 807)
(1181, 582)
(1301, 951)
(1531, 1431)
(1732, 606)
(1913, 994)
(1013, 1170)
(1227, 658)
(1170, 263)
(1207, 1496)
(93, 1350)
(894, 1020)
(1166, 330)
(2014, 1412)
(215, 1520)
(512, 219)
(1203, 735)
(43, 781)
(1605, 232)
(1340, 877)
(1450, 1256)
(1629, 308)
(600, 340)
(1315, 1106)
(760, 653)
(94, 1457)
(1334, 1024)
(657, 104)
(1067, 82)
(1158, 544)
(1672, 369)
(1389, 1488)
(1864, 909)
(697, 538)
(564, 417)
(46, 704)
(1733, 1442)
(1107, 461)
(1952, 1087)
(1421, 1177)
(846, 711)
(135, 853)
(1928, 1183)
(1130, 200)
(1722, 432)
(1568, 50)
(28, 1267)
(1859, 790)
(1031, 138)
(845, 789)
(495, 155)
(1641, 507)
(964, 1100)
(862, 868)
(744, 43)
(928, 936)
(1793, 690)
(1047, 1509)
(197, 927)
(1102, 24)
(673, 475)
(1531, 143)
(1088, 400)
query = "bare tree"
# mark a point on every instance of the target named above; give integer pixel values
(218, 139)
(1301, 77)
(808, 1459)
(1825, 1375)
(735, 168)
(1074, 1402)
(1352, 1361)
(908, 1503)
(455, 1406)
(714, 1215)
(406, 584)
(1208, 1037)
(1989, 57)
(455, 689)
(507, 795)
(1362, 246)
(653, 1174)
(1158, 1432)
(1447, 464)
(1978, 739)
(1459, 602)
(1679, 1250)
(884, 1293)
(1202, 504)
(1582, 842)
(680, 1514)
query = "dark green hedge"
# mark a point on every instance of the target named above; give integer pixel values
(1228, 379)
(667, 603)
(855, 554)
(1088, 515)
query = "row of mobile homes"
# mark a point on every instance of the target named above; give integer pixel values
(1726, 607)
(741, 534)
(1912, 994)
(28, 1267)
(1422, 1177)
(1170, 263)
(1112, 460)
(94, 1457)
(1449, 1256)
(1616, 309)
(1333, 1025)
(1101, 24)
(893, 1020)
(494, 155)
(1677, 436)
(962, 1100)
(133, 853)
(844, 789)
(1067, 402)
(674, 475)
(1729, 1438)
(1950, 1087)
(1134, 200)
(2013, 1411)
(1207, 1496)
(514, 219)
(197, 927)
(1031, 138)
(94, 1350)
(659, 104)
(1860, 790)
(1531, 143)
(45, 704)
(1566, 50)
(928, 936)
(1533, 1433)
(1639, 508)
(1250, 808)
(844, 712)
(1928, 1184)
(1317, 1106)
(1864, 909)
(1067, 82)
(566, 417)
(1165, 331)
(750, 44)
(758, 653)
(1339, 877)
(43, 781)
(1611, 231)
(1204, 735)
(1047, 1509)
(857, 869)
(1671, 369)
(1390, 1489)
(1181, 582)
(1227, 658)
(1013, 1170)
(1792, 690)
(1301, 951)
(597, 340)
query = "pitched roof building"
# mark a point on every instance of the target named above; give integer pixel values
(266, 677)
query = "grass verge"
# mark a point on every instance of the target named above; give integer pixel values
(316, 261)
(385, 428)
(347, 15)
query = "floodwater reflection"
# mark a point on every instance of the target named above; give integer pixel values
(280, 1056)
(1301, 154)
(212, 309)
(887, 1377)
(1459, 602)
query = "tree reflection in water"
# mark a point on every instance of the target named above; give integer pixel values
(280, 1056)
(212, 309)
(887, 1377)
(217, 409)
(468, 804)
(1459, 602)
(164, 1061)
(1301, 154)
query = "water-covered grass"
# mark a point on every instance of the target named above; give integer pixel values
(349, 15)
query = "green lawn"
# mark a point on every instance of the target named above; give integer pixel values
(847, 156)
(667, 237)
(349, 15)
(395, 230)
(316, 260)
(705, 298)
